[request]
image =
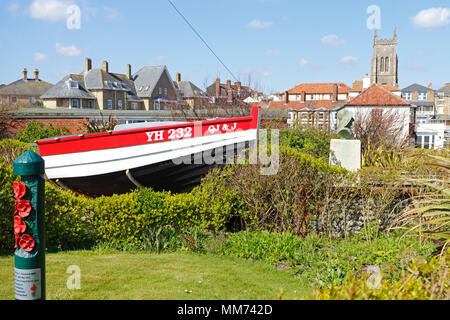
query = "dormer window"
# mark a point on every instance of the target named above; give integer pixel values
(119, 85)
(73, 84)
(109, 84)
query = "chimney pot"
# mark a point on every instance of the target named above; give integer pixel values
(105, 66)
(88, 64)
(25, 74)
(178, 77)
(430, 86)
(36, 74)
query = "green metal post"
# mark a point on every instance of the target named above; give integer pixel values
(29, 256)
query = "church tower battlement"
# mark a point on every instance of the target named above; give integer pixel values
(384, 69)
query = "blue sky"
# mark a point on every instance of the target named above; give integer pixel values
(276, 44)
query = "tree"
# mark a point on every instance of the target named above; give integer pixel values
(381, 128)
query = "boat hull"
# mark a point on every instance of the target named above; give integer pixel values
(172, 158)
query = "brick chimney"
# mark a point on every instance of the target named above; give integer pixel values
(178, 76)
(88, 64)
(430, 86)
(25, 74)
(286, 97)
(336, 93)
(36, 74)
(238, 85)
(229, 91)
(304, 96)
(105, 66)
(218, 87)
(129, 76)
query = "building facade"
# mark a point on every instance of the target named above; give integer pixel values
(151, 88)
(24, 92)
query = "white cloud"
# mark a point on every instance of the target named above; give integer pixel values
(332, 40)
(432, 18)
(272, 53)
(348, 60)
(110, 13)
(38, 56)
(303, 62)
(50, 10)
(257, 24)
(266, 73)
(71, 51)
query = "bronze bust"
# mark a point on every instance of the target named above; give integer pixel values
(346, 120)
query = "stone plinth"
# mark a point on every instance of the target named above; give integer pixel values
(346, 154)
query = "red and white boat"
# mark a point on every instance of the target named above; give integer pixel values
(118, 161)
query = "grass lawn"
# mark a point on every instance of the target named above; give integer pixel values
(136, 276)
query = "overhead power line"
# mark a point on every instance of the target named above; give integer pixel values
(203, 40)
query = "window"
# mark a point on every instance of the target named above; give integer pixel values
(73, 84)
(134, 106)
(422, 96)
(119, 104)
(75, 104)
(13, 99)
(32, 100)
(90, 104)
(439, 111)
(406, 95)
(165, 91)
(159, 91)
(321, 115)
(386, 64)
(1, 100)
(120, 86)
(110, 104)
(157, 105)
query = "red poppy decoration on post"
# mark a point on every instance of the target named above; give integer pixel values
(23, 208)
(27, 243)
(20, 190)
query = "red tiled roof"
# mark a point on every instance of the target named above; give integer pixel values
(376, 95)
(387, 87)
(319, 88)
(313, 105)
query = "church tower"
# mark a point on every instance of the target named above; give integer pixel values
(384, 70)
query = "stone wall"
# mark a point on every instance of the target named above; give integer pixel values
(348, 216)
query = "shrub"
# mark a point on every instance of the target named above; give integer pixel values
(421, 281)
(10, 150)
(36, 131)
(6, 208)
(67, 220)
(310, 140)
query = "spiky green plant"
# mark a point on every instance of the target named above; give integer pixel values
(429, 214)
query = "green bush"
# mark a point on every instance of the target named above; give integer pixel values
(67, 220)
(422, 280)
(6, 208)
(310, 140)
(10, 150)
(37, 131)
